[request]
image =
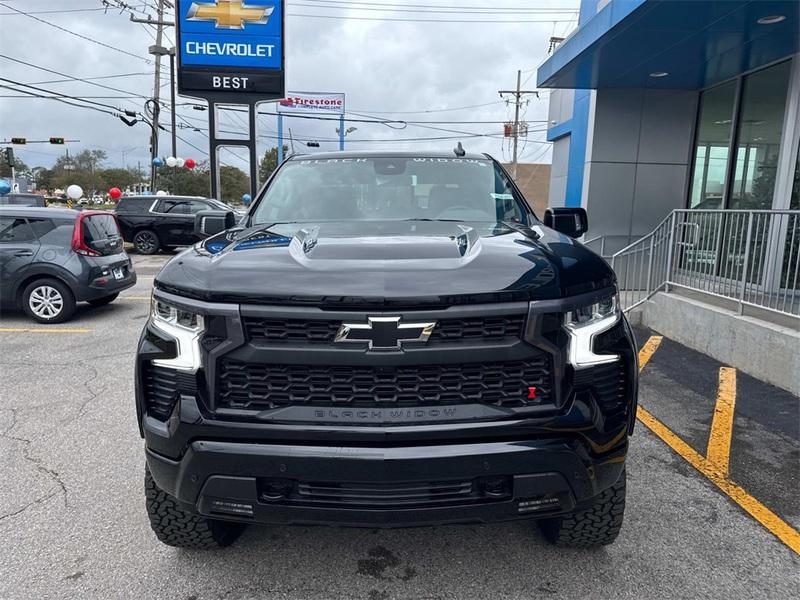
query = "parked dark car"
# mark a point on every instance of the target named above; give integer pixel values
(23, 200)
(154, 223)
(51, 258)
(386, 339)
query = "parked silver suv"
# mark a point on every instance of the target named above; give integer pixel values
(50, 259)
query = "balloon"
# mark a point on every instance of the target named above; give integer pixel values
(189, 163)
(246, 199)
(5, 187)
(115, 193)
(157, 162)
(161, 193)
(179, 162)
(171, 161)
(74, 192)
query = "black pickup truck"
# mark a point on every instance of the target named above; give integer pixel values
(154, 223)
(386, 340)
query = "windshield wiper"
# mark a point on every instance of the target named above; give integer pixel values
(435, 220)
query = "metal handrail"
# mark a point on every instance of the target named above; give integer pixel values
(750, 257)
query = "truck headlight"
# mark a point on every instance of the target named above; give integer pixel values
(185, 327)
(583, 325)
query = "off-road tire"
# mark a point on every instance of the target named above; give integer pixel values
(597, 525)
(183, 529)
(146, 242)
(103, 301)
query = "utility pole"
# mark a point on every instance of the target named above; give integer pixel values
(156, 95)
(172, 101)
(158, 51)
(518, 94)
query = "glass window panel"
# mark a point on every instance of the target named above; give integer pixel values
(711, 149)
(759, 137)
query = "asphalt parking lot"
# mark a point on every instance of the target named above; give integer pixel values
(713, 494)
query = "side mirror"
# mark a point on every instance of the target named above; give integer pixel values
(569, 221)
(212, 222)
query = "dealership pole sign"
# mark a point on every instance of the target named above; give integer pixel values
(231, 52)
(231, 49)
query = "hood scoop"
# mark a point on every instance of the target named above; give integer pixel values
(311, 244)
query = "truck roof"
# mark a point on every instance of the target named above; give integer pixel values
(388, 154)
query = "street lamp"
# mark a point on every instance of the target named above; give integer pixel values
(343, 132)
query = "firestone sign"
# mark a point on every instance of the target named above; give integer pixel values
(312, 102)
(232, 48)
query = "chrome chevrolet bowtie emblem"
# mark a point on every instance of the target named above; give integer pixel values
(229, 14)
(384, 333)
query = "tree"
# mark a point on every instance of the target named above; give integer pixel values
(87, 160)
(269, 162)
(19, 166)
(121, 178)
(233, 184)
(81, 169)
(43, 178)
(185, 182)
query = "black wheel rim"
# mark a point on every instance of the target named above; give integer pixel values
(145, 242)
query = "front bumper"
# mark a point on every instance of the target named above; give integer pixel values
(540, 462)
(540, 478)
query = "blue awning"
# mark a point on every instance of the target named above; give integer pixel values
(697, 42)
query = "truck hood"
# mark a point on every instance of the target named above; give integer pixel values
(385, 263)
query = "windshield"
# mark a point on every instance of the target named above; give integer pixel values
(362, 189)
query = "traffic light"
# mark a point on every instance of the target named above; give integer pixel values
(57, 141)
(19, 141)
(8, 155)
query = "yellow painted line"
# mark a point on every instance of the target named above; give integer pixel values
(42, 330)
(649, 349)
(719, 440)
(134, 298)
(771, 522)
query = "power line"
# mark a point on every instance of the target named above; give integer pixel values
(59, 100)
(431, 10)
(410, 20)
(69, 31)
(450, 7)
(59, 95)
(431, 110)
(87, 79)
(89, 97)
(53, 12)
(72, 77)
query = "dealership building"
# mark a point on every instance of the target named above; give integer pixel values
(660, 105)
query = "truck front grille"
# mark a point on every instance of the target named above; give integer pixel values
(317, 331)
(259, 386)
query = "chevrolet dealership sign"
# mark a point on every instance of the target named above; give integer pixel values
(231, 48)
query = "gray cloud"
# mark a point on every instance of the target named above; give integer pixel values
(381, 66)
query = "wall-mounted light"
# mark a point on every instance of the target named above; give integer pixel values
(657, 74)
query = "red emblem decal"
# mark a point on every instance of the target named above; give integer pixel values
(531, 393)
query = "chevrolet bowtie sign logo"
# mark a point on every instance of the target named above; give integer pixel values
(229, 14)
